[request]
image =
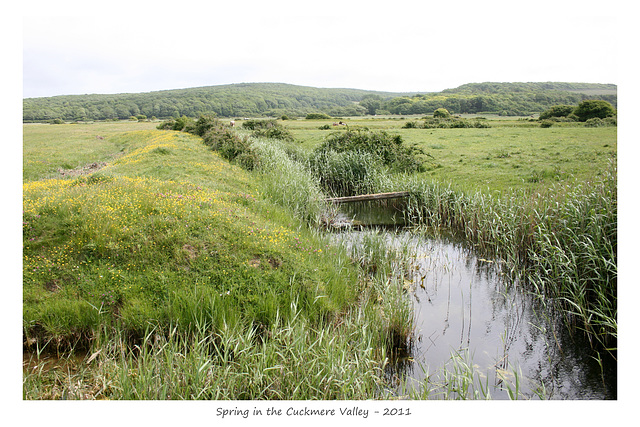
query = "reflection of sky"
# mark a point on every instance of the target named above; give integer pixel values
(464, 306)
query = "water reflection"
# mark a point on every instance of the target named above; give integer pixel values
(474, 320)
(465, 304)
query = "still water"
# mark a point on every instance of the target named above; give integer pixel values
(468, 312)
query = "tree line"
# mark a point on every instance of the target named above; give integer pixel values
(276, 100)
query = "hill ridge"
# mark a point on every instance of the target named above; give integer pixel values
(278, 99)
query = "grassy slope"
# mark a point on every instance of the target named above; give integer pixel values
(166, 226)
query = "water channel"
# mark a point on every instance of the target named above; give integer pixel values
(468, 312)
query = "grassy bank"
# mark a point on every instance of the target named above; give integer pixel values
(168, 259)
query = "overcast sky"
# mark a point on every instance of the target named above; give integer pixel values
(387, 46)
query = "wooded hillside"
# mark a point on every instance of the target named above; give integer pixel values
(277, 99)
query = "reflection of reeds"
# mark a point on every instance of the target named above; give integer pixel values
(460, 379)
(565, 241)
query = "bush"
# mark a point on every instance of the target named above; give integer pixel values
(598, 122)
(453, 123)
(259, 124)
(557, 111)
(183, 123)
(411, 125)
(317, 116)
(593, 108)
(165, 125)
(275, 132)
(546, 124)
(227, 143)
(205, 123)
(353, 162)
(441, 113)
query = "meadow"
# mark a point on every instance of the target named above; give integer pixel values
(150, 256)
(511, 154)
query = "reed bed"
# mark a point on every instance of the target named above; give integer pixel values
(292, 360)
(562, 242)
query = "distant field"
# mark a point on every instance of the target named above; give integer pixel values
(48, 148)
(511, 153)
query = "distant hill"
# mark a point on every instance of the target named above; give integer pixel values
(235, 100)
(277, 99)
(508, 99)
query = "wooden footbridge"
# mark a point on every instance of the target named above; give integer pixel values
(368, 197)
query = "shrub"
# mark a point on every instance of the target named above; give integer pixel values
(259, 124)
(183, 123)
(593, 108)
(317, 116)
(557, 111)
(205, 123)
(353, 162)
(165, 125)
(453, 123)
(546, 124)
(411, 125)
(277, 132)
(442, 113)
(227, 143)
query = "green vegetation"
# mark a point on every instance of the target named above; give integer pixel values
(594, 109)
(189, 261)
(169, 250)
(352, 162)
(517, 226)
(278, 100)
(505, 99)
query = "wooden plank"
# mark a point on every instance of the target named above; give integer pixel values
(367, 197)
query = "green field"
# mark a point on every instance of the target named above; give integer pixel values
(512, 154)
(171, 272)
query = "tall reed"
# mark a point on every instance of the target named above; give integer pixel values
(564, 240)
(287, 182)
(292, 360)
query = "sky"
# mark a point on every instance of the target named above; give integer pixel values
(399, 46)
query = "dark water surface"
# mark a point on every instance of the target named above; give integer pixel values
(468, 312)
(466, 305)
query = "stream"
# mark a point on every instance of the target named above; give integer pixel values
(474, 321)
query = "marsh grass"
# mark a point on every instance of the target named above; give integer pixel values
(292, 359)
(562, 242)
